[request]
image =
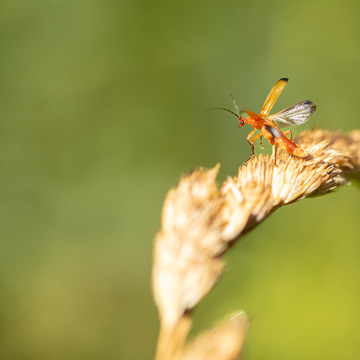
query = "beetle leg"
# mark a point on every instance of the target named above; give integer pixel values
(261, 144)
(254, 139)
(274, 152)
(287, 132)
(252, 155)
(252, 142)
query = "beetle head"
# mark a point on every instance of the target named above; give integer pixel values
(241, 121)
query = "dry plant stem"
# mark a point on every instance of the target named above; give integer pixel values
(201, 222)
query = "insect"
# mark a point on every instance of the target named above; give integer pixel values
(269, 126)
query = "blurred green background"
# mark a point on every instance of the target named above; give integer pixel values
(102, 110)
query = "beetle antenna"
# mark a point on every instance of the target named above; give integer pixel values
(233, 100)
(225, 110)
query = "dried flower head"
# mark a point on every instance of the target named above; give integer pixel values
(201, 222)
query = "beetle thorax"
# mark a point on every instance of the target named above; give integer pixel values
(255, 123)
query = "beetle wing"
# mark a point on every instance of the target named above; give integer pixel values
(294, 115)
(253, 115)
(273, 96)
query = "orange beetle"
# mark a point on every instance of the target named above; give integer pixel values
(269, 125)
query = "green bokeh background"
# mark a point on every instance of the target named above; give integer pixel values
(102, 110)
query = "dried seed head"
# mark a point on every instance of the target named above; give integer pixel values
(185, 264)
(201, 222)
(224, 341)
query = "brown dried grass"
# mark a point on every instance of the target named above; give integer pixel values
(200, 222)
